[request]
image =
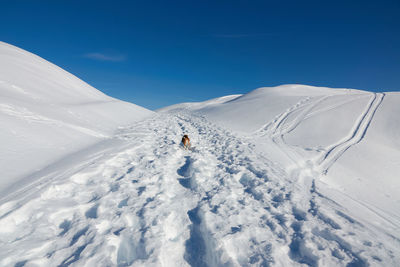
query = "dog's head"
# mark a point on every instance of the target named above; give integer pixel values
(185, 139)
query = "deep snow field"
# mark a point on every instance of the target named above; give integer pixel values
(291, 175)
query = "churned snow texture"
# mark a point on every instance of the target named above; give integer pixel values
(149, 202)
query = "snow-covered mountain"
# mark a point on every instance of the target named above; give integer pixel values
(291, 175)
(47, 113)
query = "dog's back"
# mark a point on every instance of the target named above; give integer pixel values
(186, 141)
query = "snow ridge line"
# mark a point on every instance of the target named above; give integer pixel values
(335, 151)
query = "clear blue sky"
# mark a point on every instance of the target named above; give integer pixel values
(157, 53)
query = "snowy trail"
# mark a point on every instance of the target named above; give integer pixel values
(151, 203)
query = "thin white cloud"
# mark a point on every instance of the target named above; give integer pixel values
(104, 57)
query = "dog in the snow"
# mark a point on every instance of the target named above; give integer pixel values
(186, 141)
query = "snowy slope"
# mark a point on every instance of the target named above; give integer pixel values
(348, 138)
(47, 113)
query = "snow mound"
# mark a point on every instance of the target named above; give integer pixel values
(47, 113)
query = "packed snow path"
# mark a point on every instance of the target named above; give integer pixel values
(148, 202)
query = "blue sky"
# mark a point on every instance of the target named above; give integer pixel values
(157, 53)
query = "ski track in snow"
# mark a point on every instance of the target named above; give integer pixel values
(303, 110)
(153, 203)
(356, 135)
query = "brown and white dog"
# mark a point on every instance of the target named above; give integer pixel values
(186, 141)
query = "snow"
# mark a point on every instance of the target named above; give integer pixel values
(326, 128)
(346, 141)
(46, 113)
(284, 176)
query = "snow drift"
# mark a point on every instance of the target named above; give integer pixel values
(47, 113)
